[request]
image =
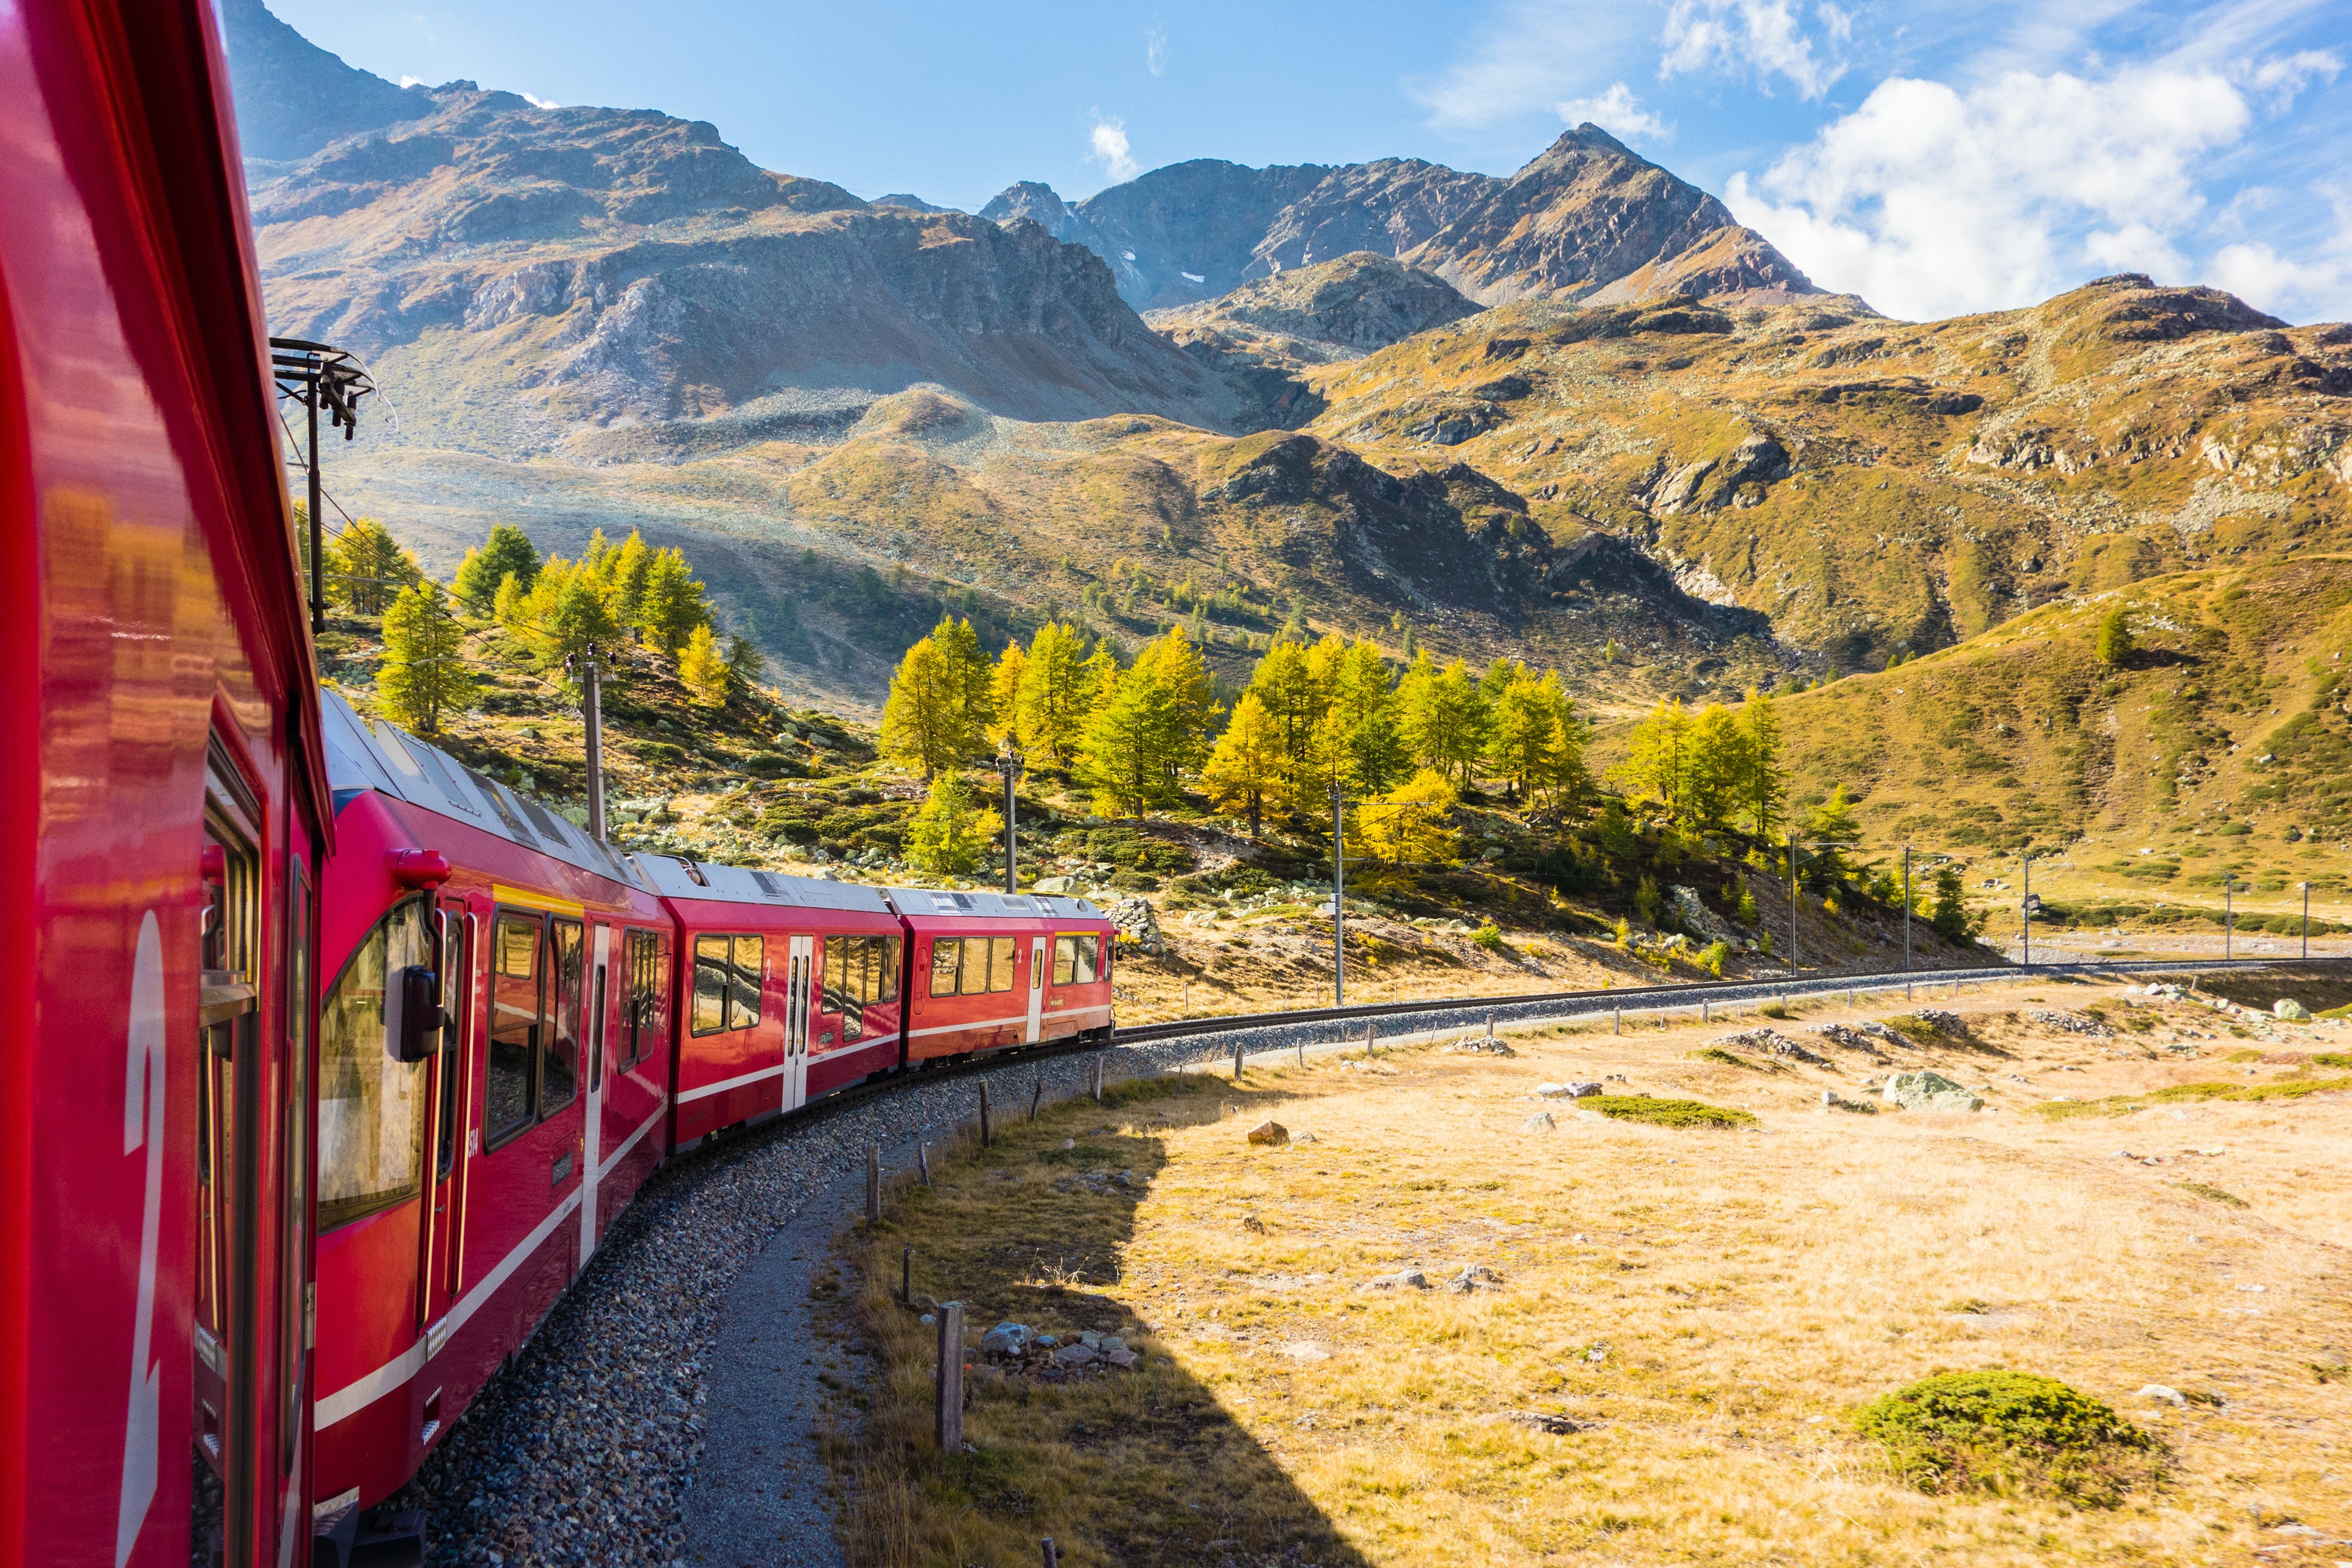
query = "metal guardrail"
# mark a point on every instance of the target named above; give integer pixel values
(1656, 998)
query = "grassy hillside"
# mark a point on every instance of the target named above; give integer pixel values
(2220, 747)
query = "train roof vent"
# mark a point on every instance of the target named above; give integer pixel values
(439, 766)
(502, 803)
(694, 871)
(769, 885)
(551, 827)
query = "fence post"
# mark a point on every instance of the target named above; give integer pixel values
(984, 1129)
(1616, 1020)
(905, 1275)
(1702, 1013)
(873, 1186)
(1490, 1026)
(1237, 1061)
(1368, 1039)
(1053, 1558)
(951, 1383)
(1036, 1094)
(1099, 1079)
(923, 1153)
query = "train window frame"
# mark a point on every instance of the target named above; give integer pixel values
(733, 1015)
(1069, 947)
(494, 1139)
(954, 946)
(645, 961)
(553, 1000)
(890, 955)
(1003, 953)
(345, 1211)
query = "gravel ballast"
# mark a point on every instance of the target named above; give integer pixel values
(589, 1448)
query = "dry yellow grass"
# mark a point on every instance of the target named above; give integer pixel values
(1709, 1308)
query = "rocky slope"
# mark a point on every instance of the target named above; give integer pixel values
(1587, 218)
(293, 97)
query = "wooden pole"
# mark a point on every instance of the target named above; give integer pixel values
(984, 1129)
(1490, 1026)
(905, 1275)
(1098, 1078)
(1616, 1020)
(1036, 1094)
(1368, 1037)
(923, 1153)
(1053, 1558)
(1703, 1016)
(873, 1186)
(1237, 1061)
(950, 1381)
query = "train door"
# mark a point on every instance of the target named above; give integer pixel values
(449, 1111)
(592, 1159)
(231, 1136)
(1036, 987)
(797, 1004)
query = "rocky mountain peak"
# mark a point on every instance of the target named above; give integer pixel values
(1586, 141)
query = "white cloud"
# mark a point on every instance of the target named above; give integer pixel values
(1111, 147)
(1532, 54)
(1743, 35)
(412, 81)
(1155, 51)
(2318, 289)
(2284, 76)
(1930, 202)
(539, 102)
(1617, 110)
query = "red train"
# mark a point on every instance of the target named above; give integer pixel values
(164, 802)
(518, 1025)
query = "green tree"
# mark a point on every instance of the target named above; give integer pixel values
(367, 568)
(703, 669)
(1534, 738)
(672, 603)
(1718, 767)
(507, 553)
(1658, 755)
(1762, 791)
(745, 664)
(562, 613)
(1004, 693)
(959, 643)
(1056, 694)
(2114, 644)
(1246, 771)
(949, 834)
(422, 679)
(1833, 823)
(924, 724)
(1444, 716)
(1950, 915)
(1150, 729)
(1360, 743)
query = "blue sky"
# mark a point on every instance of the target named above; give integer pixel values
(1935, 159)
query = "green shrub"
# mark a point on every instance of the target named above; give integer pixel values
(1134, 882)
(1722, 1057)
(2213, 1193)
(1648, 902)
(772, 765)
(1490, 937)
(1713, 956)
(1773, 1010)
(661, 751)
(1666, 1112)
(2332, 1058)
(1916, 1029)
(2009, 1432)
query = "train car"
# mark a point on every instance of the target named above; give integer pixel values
(788, 988)
(989, 971)
(495, 1056)
(164, 800)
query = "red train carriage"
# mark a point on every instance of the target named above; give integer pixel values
(494, 1063)
(993, 969)
(788, 988)
(162, 800)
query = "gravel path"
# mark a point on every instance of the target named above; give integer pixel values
(680, 1376)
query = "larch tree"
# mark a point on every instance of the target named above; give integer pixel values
(951, 832)
(1657, 756)
(1443, 715)
(1718, 767)
(703, 669)
(507, 553)
(1761, 792)
(423, 681)
(924, 724)
(1055, 696)
(1360, 744)
(745, 664)
(1245, 771)
(2113, 644)
(565, 612)
(1004, 693)
(673, 602)
(1411, 825)
(367, 568)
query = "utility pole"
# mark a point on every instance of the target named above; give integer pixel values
(2229, 915)
(2306, 920)
(1792, 904)
(2025, 907)
(1339, 891)
(314, 374)
(1907, 908)
(1008, 763)
(591, 675)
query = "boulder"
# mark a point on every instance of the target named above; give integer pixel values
(1540, 1121)
(1930, 1091)
(1695, 918)
(1050, 886)
(1473, 1276)
(1403, 1278)
(1006, 1339)
(1478, 1045)
(1072, 1357)
(1573, 1090)
(2293, 1011)
(1779, 1045)
(2164, 1395)
(1270, 1133)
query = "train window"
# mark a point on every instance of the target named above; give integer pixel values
(645, 987)
(457, 992)
(710, 964)
(559, 1072)
(891, 953)
(1066, 960)
(1000, 963)
(728, 972)
(510, 1098)
(294, 1251)
(370, 1106)
(972, 979)
(945, 952)
(743, 983)
(1077, 960)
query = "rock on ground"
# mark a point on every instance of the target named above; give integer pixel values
(1930, 1091)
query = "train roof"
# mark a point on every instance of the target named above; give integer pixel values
(364, 755)
(676, 878)
(999, 906)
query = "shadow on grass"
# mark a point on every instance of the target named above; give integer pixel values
(1136, 1467)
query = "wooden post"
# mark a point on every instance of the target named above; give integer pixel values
(984, 1129)
(1368, 1039)
(923, 1153)
(873, 1186)
(1237, 1061)
(1098, 1078)
(1302, 1050)
(951, 1382)
(1053, 1558)
(1616, 1020)
(1702, 1013)
(905, 1275)
(1490, 1026)
(1036, 1094)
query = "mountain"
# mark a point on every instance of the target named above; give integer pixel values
(1261, 335)
(1587, 218)
(293, 97)
(538, 277)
